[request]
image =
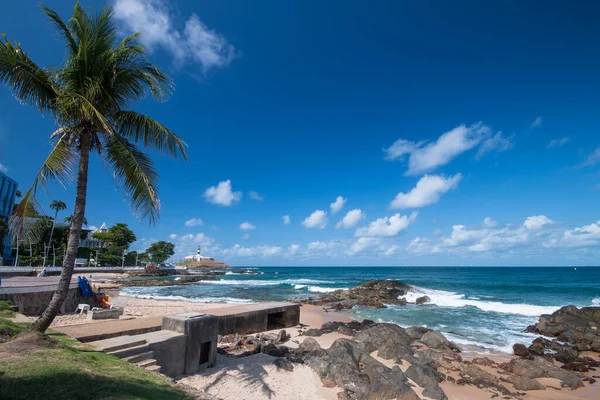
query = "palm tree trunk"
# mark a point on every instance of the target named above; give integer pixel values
(44, 321)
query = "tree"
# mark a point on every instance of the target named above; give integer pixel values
(118, 235)
(159, 252)
(69, 219)
(56, 205)
(88, 96)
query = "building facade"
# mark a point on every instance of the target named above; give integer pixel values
(8, 192)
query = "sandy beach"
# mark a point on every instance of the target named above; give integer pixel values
(258, 377)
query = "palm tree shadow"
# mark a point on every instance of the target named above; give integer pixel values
(250, 372)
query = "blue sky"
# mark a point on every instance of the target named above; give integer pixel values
(455, 134)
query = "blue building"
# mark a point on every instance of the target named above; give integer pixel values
(8, 192)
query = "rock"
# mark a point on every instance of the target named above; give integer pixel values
(390, 341)
(422, 300)
(436, 340)
(282, 336)
(474, 375)
(312, 332)
(344, 330)
(438, 358)
(229, 338)
(282, 363)
(575, 366)
(523, 383)
(435, 392)
(424, 376)
(540, 368)
(310, 346)
(345, 364)
(520, 350)
(577, 326)
(416, 332)
(374, 293)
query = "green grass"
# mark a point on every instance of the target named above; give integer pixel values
(5, 310)
(75, 372)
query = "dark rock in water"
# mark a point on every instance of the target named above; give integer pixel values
(185, 280)
(282, 363)
(424, 376)
(578, 326)
(435, 392)
(520, 350)
(375, 293)
(540, 368)
(422, 300)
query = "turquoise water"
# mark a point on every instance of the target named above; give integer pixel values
(488, 307)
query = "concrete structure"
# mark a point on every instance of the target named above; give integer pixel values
(32, 295)
(198, 257)
(8, 191)
(201, 335)
(106, 313)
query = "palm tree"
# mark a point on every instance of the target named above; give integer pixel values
(88, 97)
(56, 205)
(69, 219)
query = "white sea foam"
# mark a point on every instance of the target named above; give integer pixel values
(232, 300)
(256, 282)
(443, 298)
(317, 289)
(596, 302)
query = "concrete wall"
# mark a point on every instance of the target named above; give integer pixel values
(258, 321)
(34, 303)
(170, 355)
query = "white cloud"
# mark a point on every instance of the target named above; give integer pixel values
(421, 246)
(437, 232)
(256, 196)
(588, 235)
(317, 219)
(489, 223)
(256, 251)
(497, 143)
(286, 220)
(389, 251)
(158, 23)
(318, 245)
(246, 236)
(247, 226)
(559, 142)
(337, 205)
(361, 244)
(428, 191)
(293, 249)
(537, 222)
(591, 159)
(387, 226)
(190, 223)
(352, 218)
(3, 169)
(425, 157)
(222, 194)
(537, 122)
(188, 244)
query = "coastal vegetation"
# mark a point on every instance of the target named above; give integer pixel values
(88, 96)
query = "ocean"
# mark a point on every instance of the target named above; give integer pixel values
(481, 308)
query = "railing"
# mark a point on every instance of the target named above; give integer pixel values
(77, 269)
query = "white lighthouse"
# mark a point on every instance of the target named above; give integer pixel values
(198, 257)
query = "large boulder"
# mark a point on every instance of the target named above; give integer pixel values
(424, 376)
(474, 375)
(541, 368)
(374, 293)
(391, 341)
(436, 340)
(523, 383)
(435, 393)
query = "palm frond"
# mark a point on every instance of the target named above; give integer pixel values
(136, 172)
(62, 28)
(30, 84)
(140, 127)
(58, 166)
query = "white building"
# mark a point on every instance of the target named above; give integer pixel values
(89, 241)
(198, 257)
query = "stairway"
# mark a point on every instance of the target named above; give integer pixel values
(128, 348)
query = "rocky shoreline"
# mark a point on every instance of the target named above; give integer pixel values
(374, 293)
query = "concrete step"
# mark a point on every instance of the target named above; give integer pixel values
(153, 368)
(147, 363)
(120, 343)
(130, 351)
(140, 357)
